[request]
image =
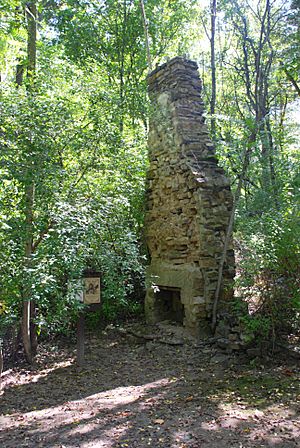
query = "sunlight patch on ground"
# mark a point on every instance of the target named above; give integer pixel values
(256, 424)
(10, 378)
(103, 417)
(181, 438)
(78, 411)
(106, 437)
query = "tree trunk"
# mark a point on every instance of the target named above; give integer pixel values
(27, 306)
(145, 24)
(267, 160)
(33, 332)
(27, 326)
(271, 163)
(1, 363)
(25, 329)
(213, 13)
(19, 74)
(31, 15)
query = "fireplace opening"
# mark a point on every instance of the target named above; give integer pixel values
(168, 305)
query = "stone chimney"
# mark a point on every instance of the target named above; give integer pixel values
(188, 203)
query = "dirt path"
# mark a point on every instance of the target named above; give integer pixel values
(137, 394)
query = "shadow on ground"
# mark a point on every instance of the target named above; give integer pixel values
(136, 395)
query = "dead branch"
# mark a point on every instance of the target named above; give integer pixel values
(246, 161)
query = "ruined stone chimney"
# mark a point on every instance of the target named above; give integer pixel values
(188, 203)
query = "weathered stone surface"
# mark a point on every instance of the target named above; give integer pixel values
(188, 198)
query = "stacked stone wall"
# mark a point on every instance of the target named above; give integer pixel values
(188, 195)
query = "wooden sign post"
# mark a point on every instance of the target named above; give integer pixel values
(90, 296)
(80, 340)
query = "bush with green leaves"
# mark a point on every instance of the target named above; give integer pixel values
(270, 271)
(84, 209)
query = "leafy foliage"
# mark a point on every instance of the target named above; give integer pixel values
(255, 98)
(74, 143)
(82, 213)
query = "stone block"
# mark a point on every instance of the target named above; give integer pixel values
(198, 300)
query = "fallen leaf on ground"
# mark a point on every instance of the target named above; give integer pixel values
(159, 421)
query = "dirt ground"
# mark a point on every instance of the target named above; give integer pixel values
(137, 393)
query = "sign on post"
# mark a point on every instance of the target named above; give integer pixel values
(89, 295)
(91, 291)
